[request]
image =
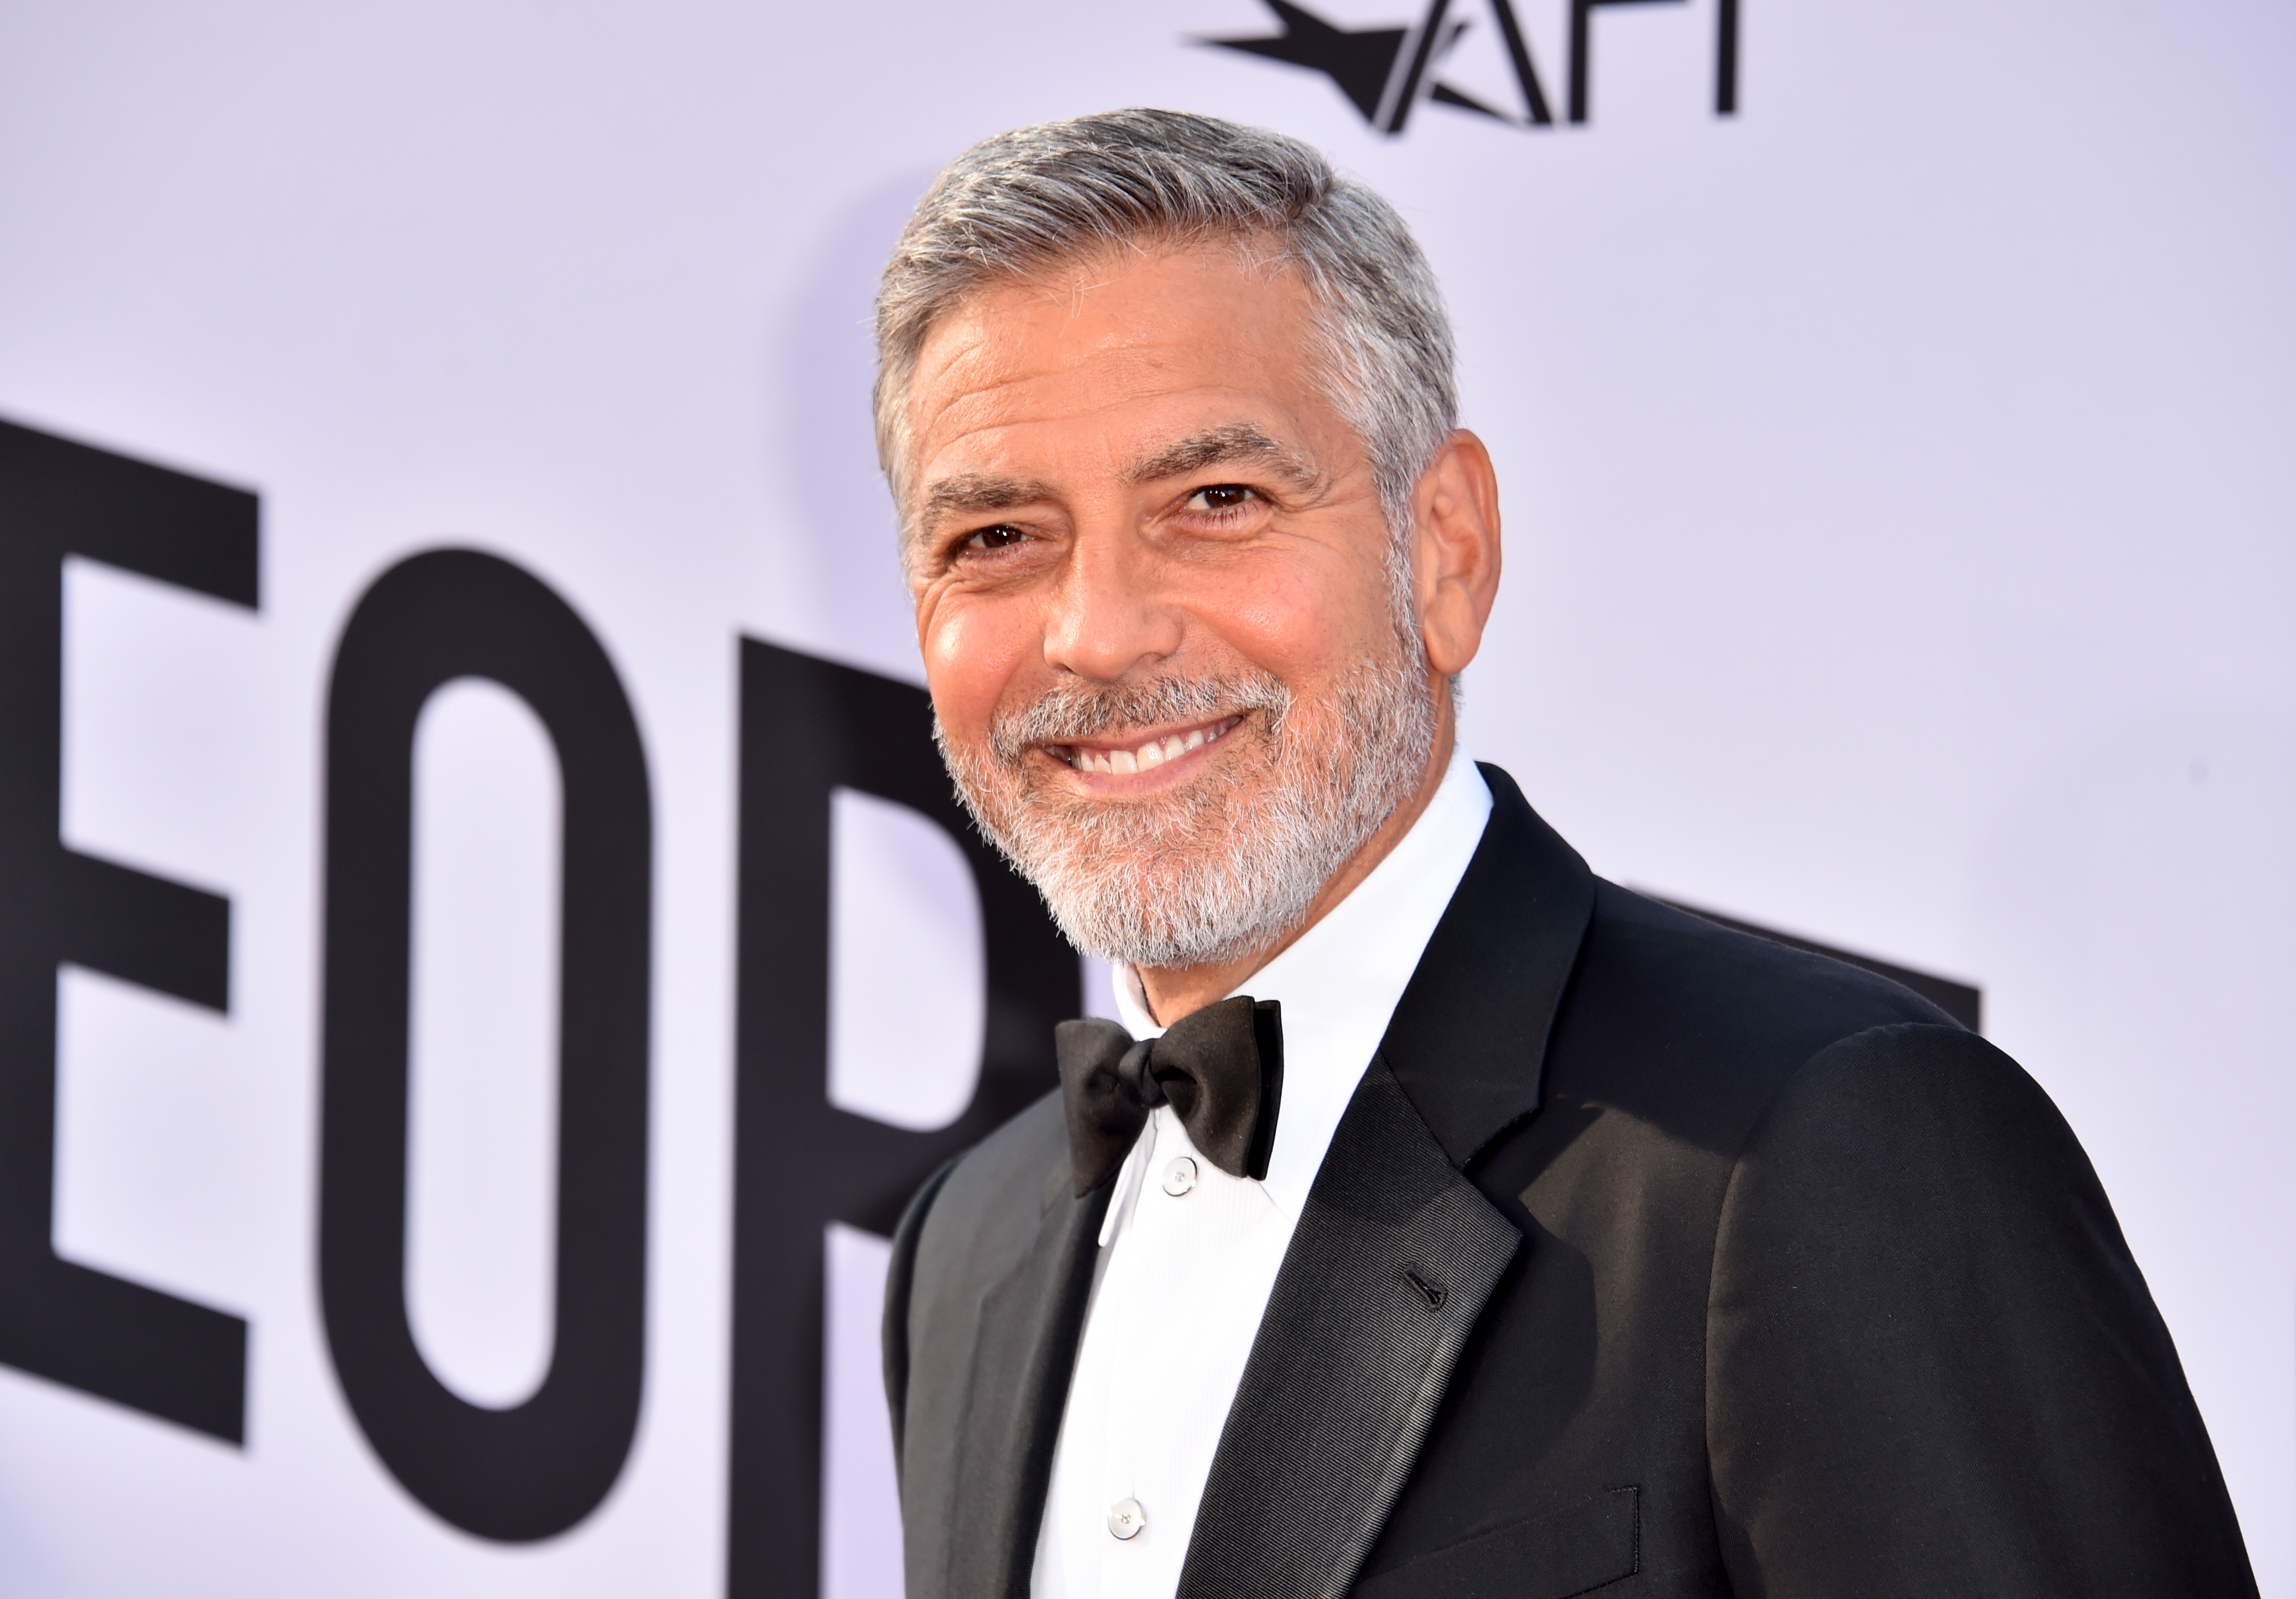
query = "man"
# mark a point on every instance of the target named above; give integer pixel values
(1462, 1224)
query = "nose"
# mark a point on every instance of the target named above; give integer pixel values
(1106, 618)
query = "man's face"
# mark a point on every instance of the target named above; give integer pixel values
(1154, 600)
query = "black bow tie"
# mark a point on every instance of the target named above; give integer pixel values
(1220, 1069)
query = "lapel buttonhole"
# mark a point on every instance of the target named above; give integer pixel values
(1431, 1292)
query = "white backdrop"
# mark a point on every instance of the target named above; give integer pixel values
(1902, 519)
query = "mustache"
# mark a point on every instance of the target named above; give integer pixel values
(1074, 710)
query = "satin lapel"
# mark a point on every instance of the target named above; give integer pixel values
(1468, 1038)
(1397, 1251)
(1024, 1351)
(1393, 1258)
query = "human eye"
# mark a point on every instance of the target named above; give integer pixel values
(1002, 537)
(1221, 498)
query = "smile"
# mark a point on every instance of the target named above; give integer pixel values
(1143, 755)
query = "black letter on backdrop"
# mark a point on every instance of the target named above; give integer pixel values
(1582, 48)
(538, 1468)
(1416, 68)
(800, 1163)
(68, 1323)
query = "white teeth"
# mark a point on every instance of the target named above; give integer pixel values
(1155, 752)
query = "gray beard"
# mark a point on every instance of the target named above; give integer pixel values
(1231, 861)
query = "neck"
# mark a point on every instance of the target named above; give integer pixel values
(1174, 991)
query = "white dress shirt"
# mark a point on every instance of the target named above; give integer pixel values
(1189, 1254)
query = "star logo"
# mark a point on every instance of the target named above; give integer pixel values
(1385, 72)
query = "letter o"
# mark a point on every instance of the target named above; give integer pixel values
(538, 1468)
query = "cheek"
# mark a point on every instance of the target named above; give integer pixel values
(973, 650)
(1304, 621)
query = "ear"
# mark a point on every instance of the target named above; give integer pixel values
(1455, 554)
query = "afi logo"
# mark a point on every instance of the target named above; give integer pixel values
(1385, 71)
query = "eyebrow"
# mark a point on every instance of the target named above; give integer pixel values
(967, 493)
(1238, 442)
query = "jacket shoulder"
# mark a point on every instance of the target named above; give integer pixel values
(1675, 1039)
(1737, 983)
(1696, 1027)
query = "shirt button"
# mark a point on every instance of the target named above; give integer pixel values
(1179, 1176)
(1125, 1518)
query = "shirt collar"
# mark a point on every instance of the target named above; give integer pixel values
(1338, 982)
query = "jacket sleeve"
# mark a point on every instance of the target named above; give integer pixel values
(1933, 1367)
(901, 1276)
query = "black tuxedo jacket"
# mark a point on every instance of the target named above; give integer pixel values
(1754, 1274)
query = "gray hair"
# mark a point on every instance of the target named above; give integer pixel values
(1037, 198)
